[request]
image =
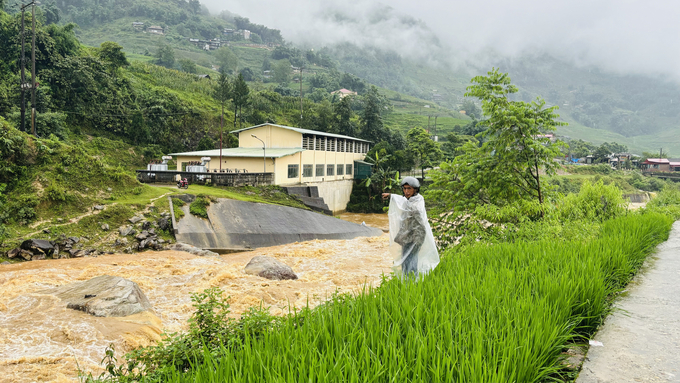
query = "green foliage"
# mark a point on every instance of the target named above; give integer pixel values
(211, 330)
(523, 302)
(594, 202)
(112, 53)
(667, 202)
(282, 72)
(165, 56)
(226, 59)
(199, 207)
(14, 153)
(508, 166)
(425, 151)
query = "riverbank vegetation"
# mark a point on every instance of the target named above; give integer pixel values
(489, 312)
(526, 274)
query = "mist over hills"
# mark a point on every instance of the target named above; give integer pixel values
(605, 96)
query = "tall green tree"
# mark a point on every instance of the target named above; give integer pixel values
(226, 59)
(112, 54)
(471, 109)
(453, 146)
(240, 97)
(165, 56)
(187, 65)
(516, 153)
(222, 93)
(424, 150)
(282, 72)
(508, 166)
(372, 128)
(342, 118)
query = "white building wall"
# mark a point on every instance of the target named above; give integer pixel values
(335, 193)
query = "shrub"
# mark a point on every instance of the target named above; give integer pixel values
(199, 207)
(593, 202)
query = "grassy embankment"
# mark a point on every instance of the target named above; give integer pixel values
(506, 312)
(54, 186)
(502, 312)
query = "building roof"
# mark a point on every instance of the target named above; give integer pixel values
(674, 163)
(303, 131)
(344, 91)
(242, 152)
(657, 161)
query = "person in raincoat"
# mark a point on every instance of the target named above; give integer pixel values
(411, 240)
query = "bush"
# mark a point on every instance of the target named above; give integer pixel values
(593, 202)
(199, 207)
(56, 193)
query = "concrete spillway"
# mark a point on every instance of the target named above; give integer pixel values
(236, 225)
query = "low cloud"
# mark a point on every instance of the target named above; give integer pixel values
(626, 36)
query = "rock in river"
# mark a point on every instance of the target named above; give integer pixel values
(104, 296)
(270, 268)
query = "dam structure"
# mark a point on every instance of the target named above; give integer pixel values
(239, 226)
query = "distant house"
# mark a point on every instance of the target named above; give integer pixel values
(661, 165)
(342, 93)
(155, 29)
(137, 25)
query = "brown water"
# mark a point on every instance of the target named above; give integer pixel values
(43, 341)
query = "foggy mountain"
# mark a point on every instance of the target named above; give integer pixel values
(610, 66)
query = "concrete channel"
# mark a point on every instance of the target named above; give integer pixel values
(237, 226)
(641, 338)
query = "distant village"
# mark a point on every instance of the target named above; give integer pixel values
(212, 44)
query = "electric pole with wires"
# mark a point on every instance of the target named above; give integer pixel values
(24, 84)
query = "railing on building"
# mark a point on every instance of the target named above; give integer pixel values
(672, 175)
(232, 178)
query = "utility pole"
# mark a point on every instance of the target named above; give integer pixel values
(435, 127)
(301, 92)
(33, 82)
(24, 85)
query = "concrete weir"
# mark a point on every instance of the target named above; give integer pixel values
(236, 226)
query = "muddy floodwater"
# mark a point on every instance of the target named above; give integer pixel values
(43, 341)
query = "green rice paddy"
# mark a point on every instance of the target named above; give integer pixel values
(501, 313)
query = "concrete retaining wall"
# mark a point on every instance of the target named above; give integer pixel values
(237, 225)
(335, 193)
(637, 198)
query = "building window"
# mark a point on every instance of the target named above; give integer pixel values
(341, 144)
(319, 170)
(340, 169)
(293, 171)
(331, 144)
(307, 170)
(308, 142)
(330, 170)
(348, 170)
(320, 143)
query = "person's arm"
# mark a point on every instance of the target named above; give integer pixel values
(385, 195)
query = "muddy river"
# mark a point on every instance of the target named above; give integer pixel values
(43, 341)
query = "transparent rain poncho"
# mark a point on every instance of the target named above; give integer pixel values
(411, 240)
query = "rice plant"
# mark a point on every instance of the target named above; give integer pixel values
(501, 313)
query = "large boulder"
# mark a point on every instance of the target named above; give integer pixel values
(104, 296)
(38, 247)
(270, 268)
(193, 250)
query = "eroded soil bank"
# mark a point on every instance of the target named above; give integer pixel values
(41, 340)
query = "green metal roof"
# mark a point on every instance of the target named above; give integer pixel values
(242, 152)
(303, 131)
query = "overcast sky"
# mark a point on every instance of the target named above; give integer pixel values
(628, 36)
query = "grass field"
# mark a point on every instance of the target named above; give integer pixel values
(502, 313)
